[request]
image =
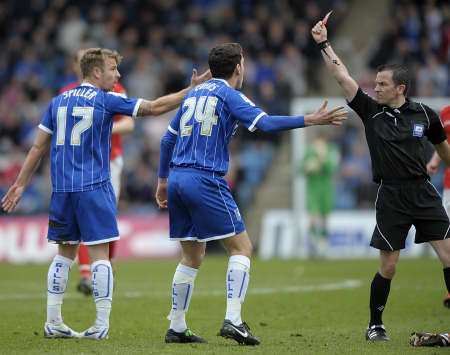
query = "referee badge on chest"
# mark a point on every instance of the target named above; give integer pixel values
(418, 130)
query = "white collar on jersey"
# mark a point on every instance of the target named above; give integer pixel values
(85, 83)
(220, 79)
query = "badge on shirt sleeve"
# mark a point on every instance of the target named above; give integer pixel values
(418, 130)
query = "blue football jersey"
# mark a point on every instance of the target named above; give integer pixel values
(205, 123)
(80, 122)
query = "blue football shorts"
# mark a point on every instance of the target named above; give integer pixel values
(201, 206)
(88, 216)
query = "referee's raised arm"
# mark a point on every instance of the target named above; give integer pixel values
(332, 61)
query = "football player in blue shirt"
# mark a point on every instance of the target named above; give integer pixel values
(201, 208)
(76, 128)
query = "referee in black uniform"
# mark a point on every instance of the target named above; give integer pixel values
(396, 131)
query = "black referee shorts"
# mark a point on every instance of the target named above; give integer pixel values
(400, 205)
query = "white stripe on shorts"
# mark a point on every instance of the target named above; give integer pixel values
(196, 239)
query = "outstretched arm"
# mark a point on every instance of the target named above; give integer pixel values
(37, 151)
(123, 126)
(335, 117)
(170, 102)
(332, 61)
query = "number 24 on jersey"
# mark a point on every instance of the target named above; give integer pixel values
(204, 111)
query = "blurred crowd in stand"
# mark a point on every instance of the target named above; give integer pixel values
(162, 41)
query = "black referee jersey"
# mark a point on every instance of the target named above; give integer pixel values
(396, 137)
(405, 196)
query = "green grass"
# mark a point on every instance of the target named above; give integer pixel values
(291, 305)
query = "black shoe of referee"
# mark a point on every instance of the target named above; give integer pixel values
(183, 337)
(240, 333)
(376, 333)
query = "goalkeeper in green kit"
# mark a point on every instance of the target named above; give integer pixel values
(319, 165)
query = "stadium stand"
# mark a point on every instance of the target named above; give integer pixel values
(36, 58)
(38, 39)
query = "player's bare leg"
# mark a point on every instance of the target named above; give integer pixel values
(317, 234)
(58, 275)
(442, 249)
(239, 248)
(379, 292)
(116, 166)
(102, 286)
(84, 265)
(112, 257)
(192, 254)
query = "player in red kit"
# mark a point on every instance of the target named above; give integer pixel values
(122, 125)
(433, 166)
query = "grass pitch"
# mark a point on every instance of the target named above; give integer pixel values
(295, 307)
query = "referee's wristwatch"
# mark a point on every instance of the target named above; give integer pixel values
(324, 44)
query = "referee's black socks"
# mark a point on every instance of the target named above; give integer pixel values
(447, 278)
(379, 292)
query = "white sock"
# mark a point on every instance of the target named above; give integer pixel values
(182, 288)
(58, 274)
(102, 290)
(238, 277)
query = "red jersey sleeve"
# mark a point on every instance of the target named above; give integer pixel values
(69, 86)
(116, 139)
(445, 119)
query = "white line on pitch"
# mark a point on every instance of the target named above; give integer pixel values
(346, 284)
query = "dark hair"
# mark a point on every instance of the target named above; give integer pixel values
(400, 74)
(223, 59)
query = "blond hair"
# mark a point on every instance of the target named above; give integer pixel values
(95, 57)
